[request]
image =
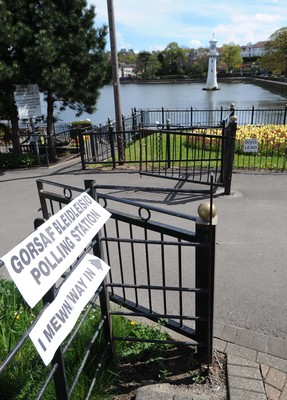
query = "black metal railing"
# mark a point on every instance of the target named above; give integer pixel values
(99, 144)
(97, 349)
(187, 154)
(101, 148)
(35, 142)
(193, 116)
(161, 269)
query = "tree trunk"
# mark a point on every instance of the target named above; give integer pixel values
(13, 113)
(50, 136)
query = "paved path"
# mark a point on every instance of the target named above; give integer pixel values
(251, 273)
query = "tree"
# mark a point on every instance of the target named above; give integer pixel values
(127, 56)
(153, 67)
(199, 62)
(230, 56)
(58, 48)
(173, 59)
(10, 70)
(148, 64)
(275, 57)
(143, 59)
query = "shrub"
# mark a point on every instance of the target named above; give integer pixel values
(81, 124)
(11, 160)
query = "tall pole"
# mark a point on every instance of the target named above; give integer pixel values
(116, 81)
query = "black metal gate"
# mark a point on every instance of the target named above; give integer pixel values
(191, 154)
(162, 268)
(162, 263)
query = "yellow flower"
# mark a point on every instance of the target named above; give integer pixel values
(17, 315)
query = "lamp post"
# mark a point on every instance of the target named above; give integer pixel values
(116, 81)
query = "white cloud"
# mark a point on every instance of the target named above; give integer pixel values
(244, 29)
(156, 47)
(152, 25)
(195, 44)
(121, 43)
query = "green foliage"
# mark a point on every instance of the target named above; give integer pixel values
(11, 160)
(81, 124)
(15, 318)
(133, 349)
(55, 45)
(127, 56)
(230, 56)
(23, 378)
(274, 59)
(199, 378)
(174, 58)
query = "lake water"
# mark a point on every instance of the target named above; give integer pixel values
(183, 95)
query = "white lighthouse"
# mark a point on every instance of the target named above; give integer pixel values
(211, 82)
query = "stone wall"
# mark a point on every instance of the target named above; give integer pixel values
(273, 86)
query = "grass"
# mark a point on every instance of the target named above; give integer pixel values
(24, 376)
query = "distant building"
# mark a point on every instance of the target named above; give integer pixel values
(127, 71)
(253, 50)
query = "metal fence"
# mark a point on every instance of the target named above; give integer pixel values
(191, 155)
(102, 146)
(161, 269)
(56, 381)
(193, 117)
(35, 142)
(101, 143)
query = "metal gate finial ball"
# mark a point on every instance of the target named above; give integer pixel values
(204, 211)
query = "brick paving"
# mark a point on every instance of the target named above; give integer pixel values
(256, 364)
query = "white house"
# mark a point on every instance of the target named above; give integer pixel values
(127, 70)
(253, 50)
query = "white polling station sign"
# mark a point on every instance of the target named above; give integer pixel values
(38, 261)
(59, 318)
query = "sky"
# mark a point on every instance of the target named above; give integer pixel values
(149, 25)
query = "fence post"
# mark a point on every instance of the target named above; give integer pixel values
(228, 155)
(168, 142)
(162, 117)
(82, 149)
(134, 120)
(112, 143)
(91, 135)
(60, 380)
(104, 295)
(285, 114)
(252, 116)
(204, 279)
(123, 123)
